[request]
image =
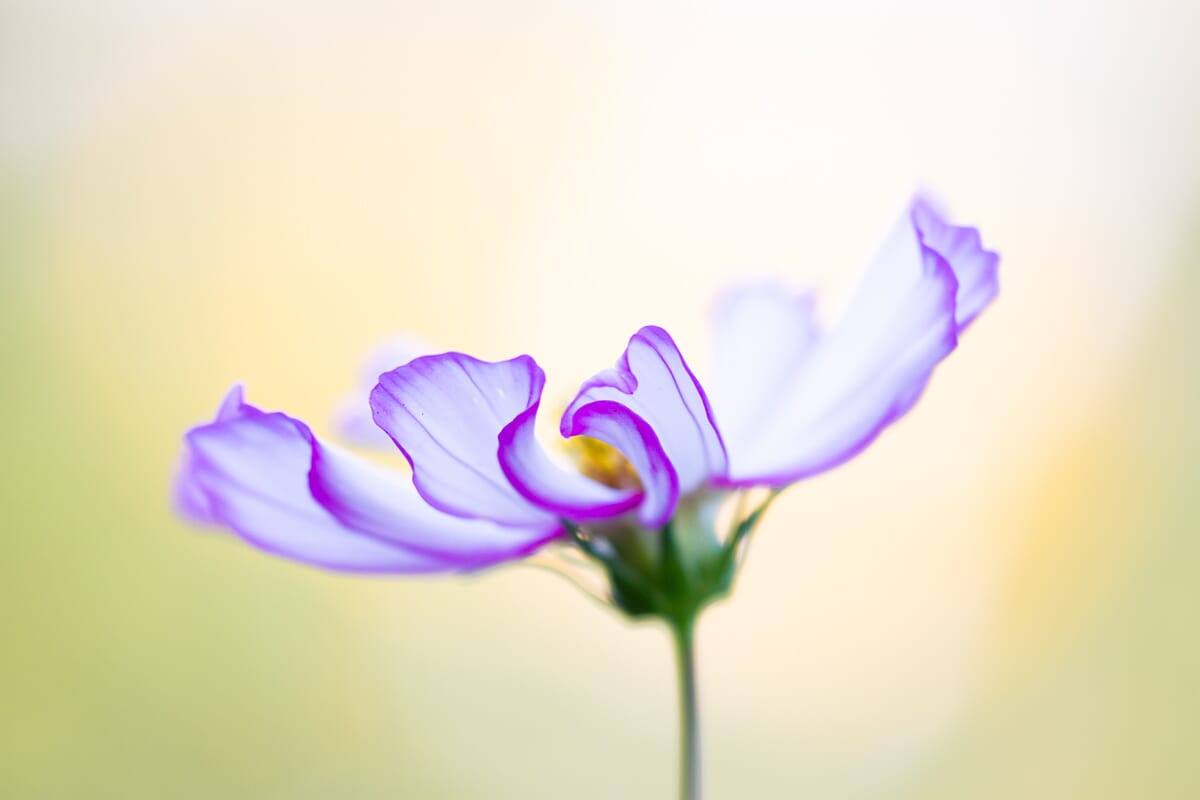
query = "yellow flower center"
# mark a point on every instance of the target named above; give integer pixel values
(602, 463)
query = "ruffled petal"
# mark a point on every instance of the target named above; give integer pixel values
(654, 382)
(352, 420)
(382, 502)
(249, 470)
(445, 413)
(975, 267)
(565, 492)
(191, 501)
(847, 385)
(189, 498)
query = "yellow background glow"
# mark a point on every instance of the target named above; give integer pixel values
(997, 600)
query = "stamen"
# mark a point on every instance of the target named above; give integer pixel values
(602, 463)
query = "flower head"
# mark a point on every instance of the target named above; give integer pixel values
(654, 452)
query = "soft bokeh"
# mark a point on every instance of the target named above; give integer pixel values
(998, 600)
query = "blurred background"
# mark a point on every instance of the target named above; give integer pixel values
(997, 600)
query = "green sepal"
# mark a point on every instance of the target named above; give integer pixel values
(674, 572)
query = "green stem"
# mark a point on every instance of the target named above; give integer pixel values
(683, 631)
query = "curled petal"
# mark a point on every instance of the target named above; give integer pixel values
(251, 470)
(613, 422)
(846, 385)
(654, 382)
(445, 413)
(566, 493)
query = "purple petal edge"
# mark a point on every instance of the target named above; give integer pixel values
(541, 482)
(975, 267)
(614, 423)
(255, 502)
(906, 399)
(907, 392)
(696, 450)
(382, 502)
(445, 414)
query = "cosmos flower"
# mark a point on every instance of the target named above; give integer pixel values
(787, 399)
(653, 452)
